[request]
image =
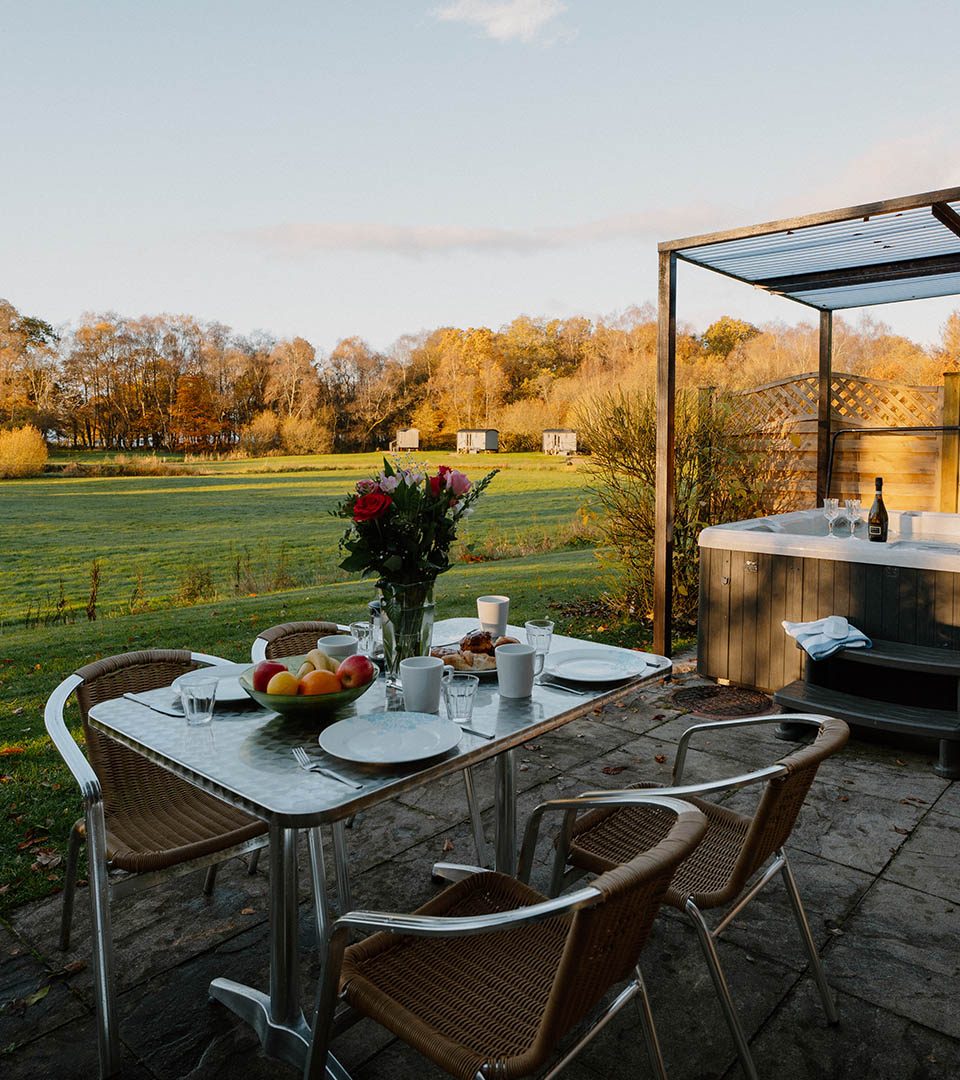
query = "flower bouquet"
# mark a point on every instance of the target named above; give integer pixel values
(402, 524)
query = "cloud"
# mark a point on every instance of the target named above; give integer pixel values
(414, 241)
(504, 20)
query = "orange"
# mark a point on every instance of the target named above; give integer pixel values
(284, 682)
(320, 682)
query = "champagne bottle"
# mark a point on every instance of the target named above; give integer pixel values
(877, 519)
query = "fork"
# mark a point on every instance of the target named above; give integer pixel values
(303, 760)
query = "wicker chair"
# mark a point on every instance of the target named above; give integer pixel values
(294, 639)
(489, 977)
(138, 817)
(736, 847)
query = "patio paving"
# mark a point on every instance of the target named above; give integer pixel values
(875, 854)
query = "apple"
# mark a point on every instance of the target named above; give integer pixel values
(264, 672)
(356, 670)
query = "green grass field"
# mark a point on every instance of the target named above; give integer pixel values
(54, 527)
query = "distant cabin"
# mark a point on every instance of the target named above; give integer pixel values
(407, 439)
(559, 441)
(478, 441)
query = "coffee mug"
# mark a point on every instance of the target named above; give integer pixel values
(516, 667)
(338, 646)
(492, 611)
(421, 678)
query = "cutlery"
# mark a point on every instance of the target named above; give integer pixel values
(479, 734)
(303, 760)
(551, 685)
(162, 709)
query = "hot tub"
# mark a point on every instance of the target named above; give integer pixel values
(754, 574)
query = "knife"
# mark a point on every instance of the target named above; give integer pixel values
(163, 710)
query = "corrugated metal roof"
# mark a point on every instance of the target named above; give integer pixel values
(878, 258)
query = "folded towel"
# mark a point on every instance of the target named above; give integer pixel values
(823, 637)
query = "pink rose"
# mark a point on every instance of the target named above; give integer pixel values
(458, 483)
(364, 487)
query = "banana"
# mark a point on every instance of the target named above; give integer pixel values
(305, 668)
(321, 661)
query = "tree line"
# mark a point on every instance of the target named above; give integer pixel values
(176, 382)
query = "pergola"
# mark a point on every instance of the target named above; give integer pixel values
(878, 253)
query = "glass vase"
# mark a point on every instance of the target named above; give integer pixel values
(407, 622)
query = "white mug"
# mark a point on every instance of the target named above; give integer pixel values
(492, 611)
(338, 646)
(516, 667)
(421, 678)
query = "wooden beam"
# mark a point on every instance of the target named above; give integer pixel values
(844, 277)
(665, 489)
(946, 215)
(824, 403)
(950, 445)
(827, 217)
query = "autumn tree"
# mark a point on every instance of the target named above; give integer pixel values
(194, 421)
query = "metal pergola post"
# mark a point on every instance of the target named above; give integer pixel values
(665, 475)
(824, 404)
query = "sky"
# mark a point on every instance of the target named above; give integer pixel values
(379, 167)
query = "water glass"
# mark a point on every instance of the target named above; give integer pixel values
(198, 697)
(363, 632)
(831, 508)
(459, 693)
(852, 506)
(539, 635)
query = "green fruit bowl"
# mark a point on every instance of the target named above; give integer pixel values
(302, 706)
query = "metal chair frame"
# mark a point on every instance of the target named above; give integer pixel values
(92, 827)
(328, 1023)
(707, 937)
(258, 652)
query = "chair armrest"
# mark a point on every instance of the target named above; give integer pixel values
(207, 658)
(742, 721)
(258, 650)
(450, 871)
(72, 755)
(680, 791)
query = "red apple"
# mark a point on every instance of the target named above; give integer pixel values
(264, 672)
(356, 670)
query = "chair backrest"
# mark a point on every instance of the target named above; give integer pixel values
(605, 940)
(783, 796)
(127, 777)
(293, 638)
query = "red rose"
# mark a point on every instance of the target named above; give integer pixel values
(372, 506)
(443, 470)
(436, 483)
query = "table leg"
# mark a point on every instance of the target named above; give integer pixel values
(277, 1018)
(342, 865)
(318, 884)
(506, 810)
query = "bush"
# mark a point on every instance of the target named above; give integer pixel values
(261, 435)
(724, 472)
(302, 435)
(22, 452)
(522, 425)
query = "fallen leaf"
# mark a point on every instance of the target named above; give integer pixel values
(899, 762)
(47, 859)
(843, 798)
(523, 768)
(448, 845)
(613, 770)
(657, 716)
(37, 995)
(902, 832)
(7, 751)
(659, 758)
(248, 911)
(910, 800)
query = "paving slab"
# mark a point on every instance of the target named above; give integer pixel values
(68, 1052)
(898, 951)
(930, 858)
(949, 801)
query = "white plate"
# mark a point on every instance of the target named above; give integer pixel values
(390, 738)
(594, 665)
(229, 690)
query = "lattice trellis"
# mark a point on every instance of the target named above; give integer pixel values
(855, 401)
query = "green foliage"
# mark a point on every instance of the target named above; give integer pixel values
(726, 335)
(723, 473)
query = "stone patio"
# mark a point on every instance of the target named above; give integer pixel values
(875, 855)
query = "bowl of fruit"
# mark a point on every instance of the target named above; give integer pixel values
(309, 686)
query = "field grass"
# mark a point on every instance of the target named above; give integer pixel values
(245, 526)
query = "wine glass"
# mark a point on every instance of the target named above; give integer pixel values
(831, 508)
(852, 506)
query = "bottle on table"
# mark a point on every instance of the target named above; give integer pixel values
(877, 519)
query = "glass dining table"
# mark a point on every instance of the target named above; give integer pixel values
(244, 757)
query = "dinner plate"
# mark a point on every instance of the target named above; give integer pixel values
(229, 690)
(390, 738)
(594, 665)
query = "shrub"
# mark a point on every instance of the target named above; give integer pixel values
(22, 452)
(196, 583)
(522, 425)
(303, 435)
(261, 435)
(724, 472)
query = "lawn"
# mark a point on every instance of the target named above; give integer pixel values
(56, 526)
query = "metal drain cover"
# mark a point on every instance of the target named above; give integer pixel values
(722, 702)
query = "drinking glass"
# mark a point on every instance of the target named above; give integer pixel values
(363, 632)
(198, 697)
(540, 635)
(458, 696)
(852, 506)
(831, 508)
